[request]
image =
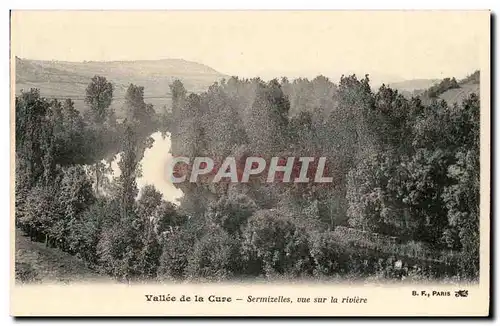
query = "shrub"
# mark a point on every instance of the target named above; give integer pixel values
(116, 255)
(149, 256)
(177, 247)
(231, 212)
(328, 255)
(214, 256)
(176, 251)
(274, 242)
(39, 211)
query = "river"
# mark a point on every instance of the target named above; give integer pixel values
(153, 168)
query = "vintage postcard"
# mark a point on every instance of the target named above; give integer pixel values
(250, 163)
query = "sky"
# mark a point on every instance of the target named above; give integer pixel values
(396, 45)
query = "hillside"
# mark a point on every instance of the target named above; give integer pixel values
(37, 263)
(413, 84)
(421, 88)
(60, 79)
(457, 95)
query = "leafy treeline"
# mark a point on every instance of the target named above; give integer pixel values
(435, 91)
(473, 78)
(443, 86)
(400, 168)
(62, 194)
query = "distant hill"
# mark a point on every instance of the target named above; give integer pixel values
(451, 92)
(62, 79)
(468, 85)
(414, 84)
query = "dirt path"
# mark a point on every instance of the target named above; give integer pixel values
(37, 263)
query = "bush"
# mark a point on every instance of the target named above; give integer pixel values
(274, 242)
(231, 212)
(39, 211)
(176, 251)
(335, 255)
(85, 232)
(214, 256)
(115, 253)
(177, 248)
(149, 256)
(328, 255)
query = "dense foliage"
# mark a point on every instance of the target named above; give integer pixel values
(401, 169)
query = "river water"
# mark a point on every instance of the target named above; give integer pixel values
(153, 165)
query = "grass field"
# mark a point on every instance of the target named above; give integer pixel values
(457, 95)
(61, 80)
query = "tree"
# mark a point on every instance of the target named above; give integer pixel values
(222, 127)
(232, 212)
(99, 95)
(120, 246)
(31, 111)
(273, 243)
(148, 204)
(178, 247)
(267, 122)
(149, 255)
(167, 217)
(214, 256)
(40, 213)
(374, 201)
(149, 200)
(129, 167)
(75, 197)
(389, 120)
(178, 97)
(116, 250)
(402, 167)
(135, 107)
(140, 117)
(461, 197)
(189, 135)
(71, 139)
(85, 232)
(443, 86)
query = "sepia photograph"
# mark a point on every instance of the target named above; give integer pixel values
(222, 163)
